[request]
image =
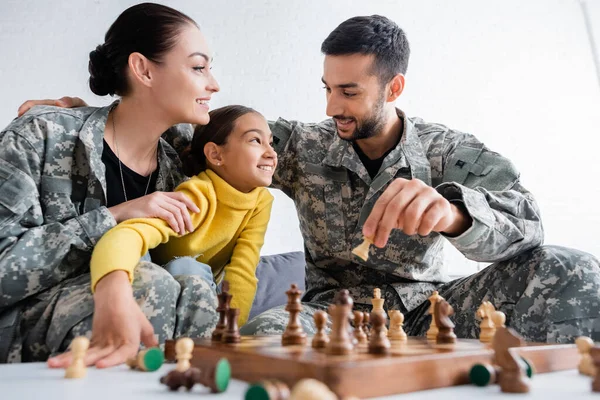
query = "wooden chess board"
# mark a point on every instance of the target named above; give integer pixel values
(411, 366)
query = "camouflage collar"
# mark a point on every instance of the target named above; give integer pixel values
(91, 135)
(408, 153)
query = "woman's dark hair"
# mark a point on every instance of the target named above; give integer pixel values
(222, 123)
(375, 35)
(147, 28)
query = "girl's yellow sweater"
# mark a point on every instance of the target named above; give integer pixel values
(228, 234)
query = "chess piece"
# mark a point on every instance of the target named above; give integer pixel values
(176, 379)
(232, 334)
(224, 299)
(433, 329)
(586, 364)
(377, 302)
(311, 389)
(512, 378)
(216, 377)
(147, 360)
(340, 341)
(486, 374)
(379, 342)
(359, 333)
(320, 339)
(595, 355)
(396, 332)
(270, 389)
(367, 324)
(77, 368)
(487, 326)
(183, 353)
(498, 319)
(362, 250)
(441, 314)
(293, 332)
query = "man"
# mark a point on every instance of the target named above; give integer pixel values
(370, 171)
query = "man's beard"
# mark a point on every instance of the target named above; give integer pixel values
(372, 125)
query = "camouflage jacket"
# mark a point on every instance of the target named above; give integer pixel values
(53, 196)
(334, 195)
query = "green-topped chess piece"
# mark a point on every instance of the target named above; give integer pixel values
(147, 360)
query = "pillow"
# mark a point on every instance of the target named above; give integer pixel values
(275, 274)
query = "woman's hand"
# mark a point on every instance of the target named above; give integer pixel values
(118, 327)
(64, 102)
(172, 207)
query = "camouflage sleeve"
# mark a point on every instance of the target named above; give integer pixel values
(179, 136)
(283, 142)
(506, 217)
(32, 248)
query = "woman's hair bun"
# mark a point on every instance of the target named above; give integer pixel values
(103, 78)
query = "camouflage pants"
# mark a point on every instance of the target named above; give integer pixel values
(180, 305)
(549, 294)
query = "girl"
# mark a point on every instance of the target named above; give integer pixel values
(230, 160)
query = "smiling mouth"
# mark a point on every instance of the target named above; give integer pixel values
(266, 167)
(202, 102)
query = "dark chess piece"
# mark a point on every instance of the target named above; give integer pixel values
(293, 332)
(232, 334)
(441, 312)
(215, 377)
(359, 333)
(270, 389)
(224, 299)
(513, 375)
(320, 339)
(367, 324)
(379, 342)
(340, 340)
(176, 379)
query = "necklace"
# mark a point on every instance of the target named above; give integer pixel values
(121, 167)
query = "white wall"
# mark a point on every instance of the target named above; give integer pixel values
(518, 74)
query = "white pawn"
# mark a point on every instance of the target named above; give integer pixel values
(586, 364)
(311, 389)
(77, 369)
(183, 354)
(396, 332)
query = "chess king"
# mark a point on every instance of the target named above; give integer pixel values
(371, 171)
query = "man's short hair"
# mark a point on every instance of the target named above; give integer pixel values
(375, 35)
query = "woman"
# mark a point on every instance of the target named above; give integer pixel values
(68, 176)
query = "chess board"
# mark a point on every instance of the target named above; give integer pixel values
(411, 366)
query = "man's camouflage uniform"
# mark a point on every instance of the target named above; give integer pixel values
(549, 294)
(52, 212)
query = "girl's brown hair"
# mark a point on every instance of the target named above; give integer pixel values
(222, 123)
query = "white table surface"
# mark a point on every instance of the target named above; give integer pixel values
(36, 381)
